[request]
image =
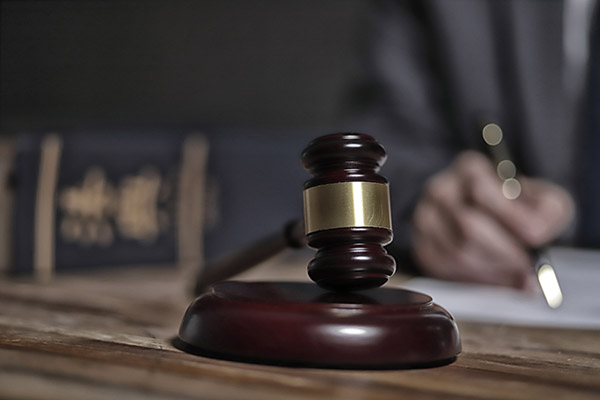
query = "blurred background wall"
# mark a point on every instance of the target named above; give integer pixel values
(258, 78)
(240, 62)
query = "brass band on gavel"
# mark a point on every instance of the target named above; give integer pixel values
(346, 205)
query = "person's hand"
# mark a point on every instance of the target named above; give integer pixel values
(465, 229)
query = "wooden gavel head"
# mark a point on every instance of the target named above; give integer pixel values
(347, 212)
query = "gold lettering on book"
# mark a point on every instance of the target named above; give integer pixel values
(96, 211)
(137, 214)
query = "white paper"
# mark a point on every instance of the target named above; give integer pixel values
(578, 272)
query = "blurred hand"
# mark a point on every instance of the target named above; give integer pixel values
(465, 229)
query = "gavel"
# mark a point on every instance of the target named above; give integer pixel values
(344, 320)
(291, 236)
(346, 217)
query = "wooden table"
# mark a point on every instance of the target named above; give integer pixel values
(108, 336)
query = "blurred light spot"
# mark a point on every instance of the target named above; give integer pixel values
(511, 188)
(550, 286)
(506, 169)
(492, 134)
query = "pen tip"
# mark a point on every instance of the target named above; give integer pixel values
(550, 286)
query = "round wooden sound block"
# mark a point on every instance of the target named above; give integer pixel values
(301, 324)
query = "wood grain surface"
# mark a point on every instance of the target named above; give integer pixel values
(108, 336)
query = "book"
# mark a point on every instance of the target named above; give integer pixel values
(108, 198)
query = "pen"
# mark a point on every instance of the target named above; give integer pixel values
(511, 189)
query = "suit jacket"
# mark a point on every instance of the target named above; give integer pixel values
(439, 68)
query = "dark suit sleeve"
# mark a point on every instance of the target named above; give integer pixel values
(404, 108)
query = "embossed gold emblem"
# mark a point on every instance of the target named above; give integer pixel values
(96, 210)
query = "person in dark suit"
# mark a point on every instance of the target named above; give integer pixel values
(439, 70)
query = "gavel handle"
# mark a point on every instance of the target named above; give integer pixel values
(292, 235)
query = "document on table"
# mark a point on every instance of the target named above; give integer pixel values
(578, 272)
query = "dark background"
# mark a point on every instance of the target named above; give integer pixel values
(260, 78)
(236, 62)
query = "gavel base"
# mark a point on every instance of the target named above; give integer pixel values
(300, 324)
